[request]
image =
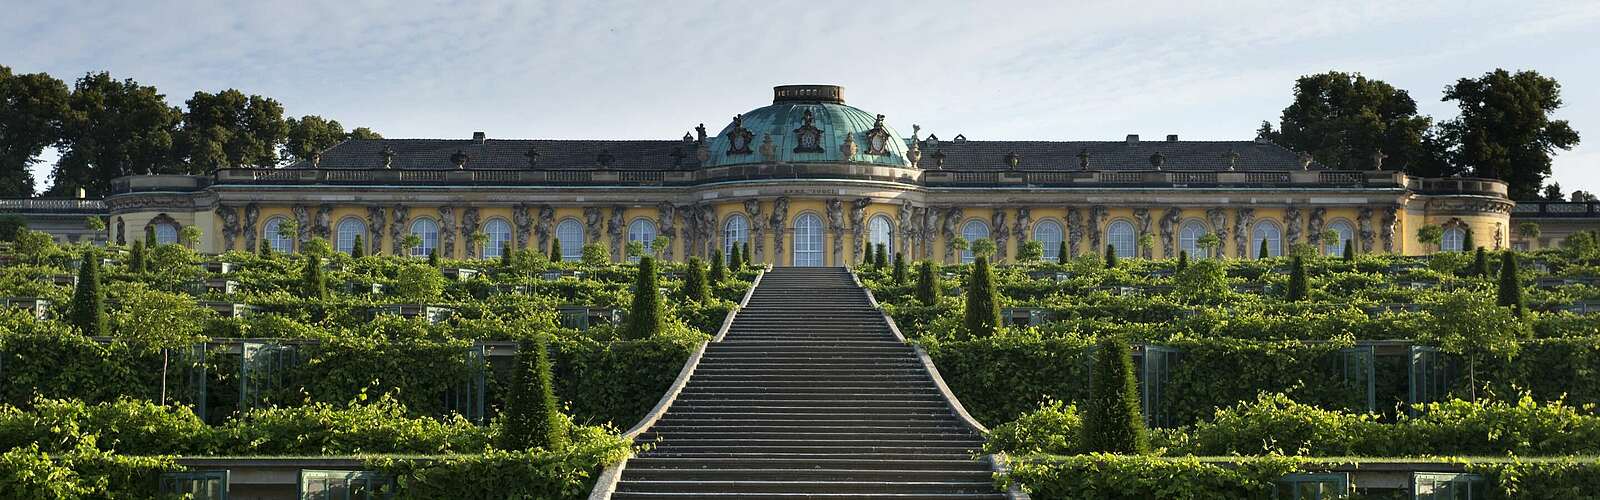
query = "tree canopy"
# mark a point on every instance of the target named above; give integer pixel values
(32, 107)
(1505, 130)
(1342, 119)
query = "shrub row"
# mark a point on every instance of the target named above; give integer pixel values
(1115, 477)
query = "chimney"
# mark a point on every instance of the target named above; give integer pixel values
(479, 137)
(1172, 137)
(1133, 139)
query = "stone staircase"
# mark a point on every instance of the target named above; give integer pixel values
(810, 395)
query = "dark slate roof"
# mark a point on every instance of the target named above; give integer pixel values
(959, 155)
(511, 154)
(1111, 155)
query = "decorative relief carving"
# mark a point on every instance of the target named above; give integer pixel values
(858, 227)
(397, 229)
(617, 229)
(710, 235)
(1097, 216)
(878, 138)
(252, 215)
(780, 222)
(903, 223)
(739, 137)
(1141, 219)
(1315, 225)
(1022, 226)
(1074, 230)
(302, 218)
(667, 225)
(952, 216)
(1242, 219)
(376, 220)
(1391, 222)
(324, 228)
(1499, 235)
(546, 224)
(447, 232)
(1364, 228)
(469, 227)
(1468, 206)
(758, 230)
(1000, 233)
(1169, 231)
(522, 219)
(230, 225)
(592, 225)
(1291, 226)
(930, 231)
(835, 211)
(808, 138)
(122, 231)
(1219, 226)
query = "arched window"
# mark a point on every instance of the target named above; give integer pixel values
(644, 232)
(808, 241)
(1336, 247)
(428, 231)
(736, 229)
(1048, 234)
(166, 233)
(280, 242)
(1268, 232)
(972, 231)
(1189, 239)
(348, 230)
(1120, 236)
(499, 233)
(880, 232)
(1454, 239)
(570, 233)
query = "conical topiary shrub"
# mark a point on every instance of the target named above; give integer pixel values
(555, 250)
(357, 248)
(694, 282)
(718, 271)
(982, 314)
(1261, 253)
(1466, 241)
(1299, 288)
(647, 316)
(88, 311)
(532, 417)
(1480, 263)
(746, 251)
(899, 269)
(927, 284)
(1112, 422)
(312, 283)
(735, 258)
(1349, 251)
(1111, 257)
(880, 260)
(137, 261)
(433, 258)
(1061, 252)
(1510, 290)
(1183, 260)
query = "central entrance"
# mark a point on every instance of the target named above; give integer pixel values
(808, 241)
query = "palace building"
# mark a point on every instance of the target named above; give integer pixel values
(809, 181)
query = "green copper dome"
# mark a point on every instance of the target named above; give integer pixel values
(807, 123)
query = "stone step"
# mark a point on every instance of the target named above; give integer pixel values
(747, 462)
(792, 496)
(803, 486)
(970, 474)
(668, 448)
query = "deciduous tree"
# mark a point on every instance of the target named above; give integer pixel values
(1505, 129)
(33, 109)
(1342, 119)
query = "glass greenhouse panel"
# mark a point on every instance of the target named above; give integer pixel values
(345, 485)
(1313, 487)
(196, 485)
(1447, 486)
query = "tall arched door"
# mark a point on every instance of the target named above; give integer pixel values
(808, 241)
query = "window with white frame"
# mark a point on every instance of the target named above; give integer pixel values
(808, 241)
(880, 232)
(644, 232)
(1268, 232)
(272, 233)
(427, 231)
(1344, 232)
(345, 236)
(1454, 239)
(1189, 239)
(499, 233)
(972, 231)
(736, 229)
(1048, 234)
(1120, 236)
(570, 235)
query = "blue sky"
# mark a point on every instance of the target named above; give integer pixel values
(652, 70)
